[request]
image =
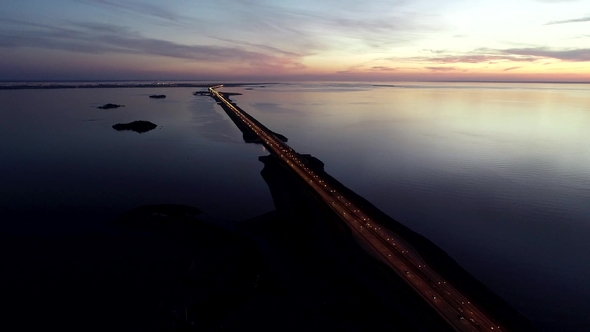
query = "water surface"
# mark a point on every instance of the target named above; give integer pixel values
(496, 174)
(62, 160)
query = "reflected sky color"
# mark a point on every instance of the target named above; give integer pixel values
(495, 174)
(295, 40)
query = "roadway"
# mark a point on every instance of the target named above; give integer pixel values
(388, 247)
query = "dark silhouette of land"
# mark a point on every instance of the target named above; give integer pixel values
(140, 126)
(157, 96)
(110, 85)
(110, 106)
(201, 93)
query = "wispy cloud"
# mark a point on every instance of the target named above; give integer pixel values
(497, 56)
(140, 8)
(480, 58)
(441, 68)
(436, 51)
(105, 38)
(384, 68)
(268, 48)
(242, 32)
(333, 28)
(511, 68)
(556, 1)
(574, 55)
(477, 56)
(575, 20)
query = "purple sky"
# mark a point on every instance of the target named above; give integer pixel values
(295, 40)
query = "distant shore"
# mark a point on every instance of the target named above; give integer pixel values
(93, 85)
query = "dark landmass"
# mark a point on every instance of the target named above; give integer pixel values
(158, 96)
(109, 106)
(140, 126)
(385, 85)
(92, 85)
(248, 88)
(247, 134)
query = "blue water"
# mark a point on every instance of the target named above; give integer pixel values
(61, 156)
(496, 174)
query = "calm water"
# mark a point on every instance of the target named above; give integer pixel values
(496, 174)
(61, 156)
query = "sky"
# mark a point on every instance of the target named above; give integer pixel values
(263, 40)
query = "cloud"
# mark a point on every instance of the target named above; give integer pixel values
(383, 68)
(481, 58)
(573, 55)
(324, 26)
(268, 48)
(477, 56)
(257, 33)
(511, 68)
(142, 9)
(100, 38)
(556, 1)
(575, 20)
(495, 56)
(441, 68)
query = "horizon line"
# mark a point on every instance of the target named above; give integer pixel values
(291, 81)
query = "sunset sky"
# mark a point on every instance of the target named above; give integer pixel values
(547, 40)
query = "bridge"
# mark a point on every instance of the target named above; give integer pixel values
(450, 304)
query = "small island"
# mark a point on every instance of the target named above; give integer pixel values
(109, 106)
(140, 126)
(201, 93)
(158, 96)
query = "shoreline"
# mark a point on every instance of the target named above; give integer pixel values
(95, 85)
